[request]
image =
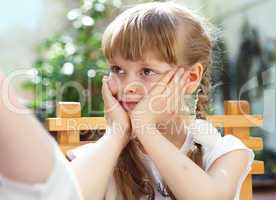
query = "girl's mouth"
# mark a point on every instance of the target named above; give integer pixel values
(128, 105)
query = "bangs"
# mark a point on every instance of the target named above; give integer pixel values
(143, 29)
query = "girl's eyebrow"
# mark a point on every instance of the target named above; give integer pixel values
(143, 65)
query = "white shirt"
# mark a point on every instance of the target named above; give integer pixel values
(61, 185)
(228, 143)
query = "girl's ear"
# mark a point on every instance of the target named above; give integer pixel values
(194, 77)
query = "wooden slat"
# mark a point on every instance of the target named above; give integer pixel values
(236, 108)
(246, 189)
(83, 123)
(230, 121)
(257, 167)
(255, 143)
(241, 133)
(91, 123)
(240, 108)
(68, 110)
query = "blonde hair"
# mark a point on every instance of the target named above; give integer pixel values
(176, 35)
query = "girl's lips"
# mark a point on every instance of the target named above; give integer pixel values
(129, 105)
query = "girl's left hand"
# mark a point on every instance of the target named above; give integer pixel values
(165, 99)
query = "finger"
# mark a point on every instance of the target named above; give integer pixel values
(184, 82)
(162, 84)
(174, 104)
(174, 84)
(113, 84)
(184, 78)
(178, 76)
(166, 81)
(109, 100)
(175, 91)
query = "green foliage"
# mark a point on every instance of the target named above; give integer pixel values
(70, 64)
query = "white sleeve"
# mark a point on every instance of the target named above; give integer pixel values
(228, 144)
(61, 184)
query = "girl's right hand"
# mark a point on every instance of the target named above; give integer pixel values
(116, 117)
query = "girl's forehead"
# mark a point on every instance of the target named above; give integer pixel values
(147, 59)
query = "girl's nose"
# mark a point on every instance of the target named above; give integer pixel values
(134, 87)
(132, 90)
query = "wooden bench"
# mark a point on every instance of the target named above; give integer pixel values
(236, 121)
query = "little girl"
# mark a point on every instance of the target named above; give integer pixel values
(158, 143)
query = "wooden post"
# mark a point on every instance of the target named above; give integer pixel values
(234, 108)
(68, 110)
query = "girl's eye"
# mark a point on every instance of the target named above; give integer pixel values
(147, 72)
(116, 69)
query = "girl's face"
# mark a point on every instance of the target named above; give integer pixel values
(132, 80)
